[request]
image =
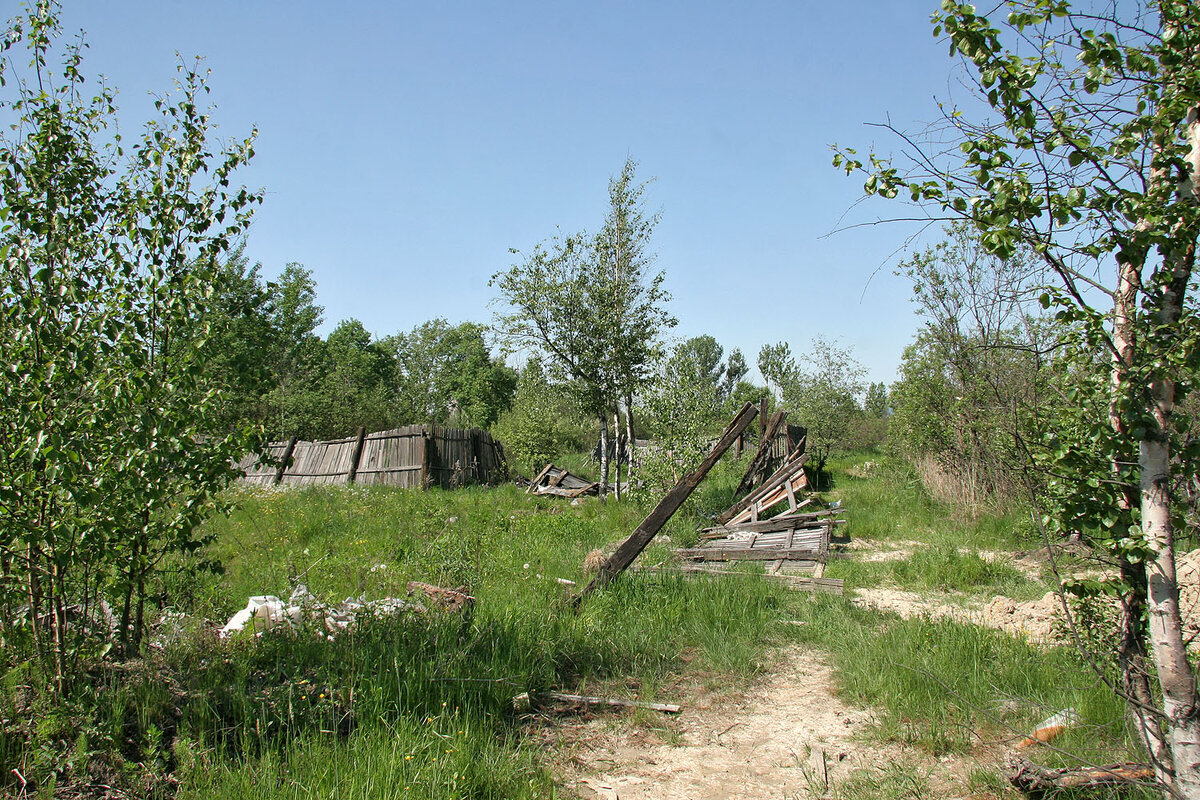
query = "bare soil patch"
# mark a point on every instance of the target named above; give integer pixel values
(756, 744)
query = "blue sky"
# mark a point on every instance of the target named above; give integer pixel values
(405, 147)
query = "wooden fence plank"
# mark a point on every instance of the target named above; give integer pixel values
(410, 456)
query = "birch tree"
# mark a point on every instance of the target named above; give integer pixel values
(111, 442)
(625, 263)
(554, 305)
(1089, 156)
(593, 305)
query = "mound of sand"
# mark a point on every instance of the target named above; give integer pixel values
(1042, 620)
(1037, 620)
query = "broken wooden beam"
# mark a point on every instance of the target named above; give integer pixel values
(632, 547)
(538, 479)
(762, 456)
(784, 473)
(527, 700)
(1030, 777)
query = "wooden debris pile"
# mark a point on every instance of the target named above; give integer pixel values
(792, 543)
(561, 483)
(795, 538)
(778, 445)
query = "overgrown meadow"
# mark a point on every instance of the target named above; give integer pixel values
(420, 704)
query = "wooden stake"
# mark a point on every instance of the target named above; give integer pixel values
(763, 455)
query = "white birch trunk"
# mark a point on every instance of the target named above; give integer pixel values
(617, 452)
(1176, 678)
(630, 442)
(603, 456)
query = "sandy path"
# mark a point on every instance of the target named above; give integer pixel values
(761, 746)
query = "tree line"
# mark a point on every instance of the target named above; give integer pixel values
(277, 373)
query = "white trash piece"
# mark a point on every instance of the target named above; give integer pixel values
(264, 611)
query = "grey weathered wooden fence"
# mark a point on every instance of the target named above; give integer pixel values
(413, 456)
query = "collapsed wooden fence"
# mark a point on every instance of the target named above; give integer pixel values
(415, 456)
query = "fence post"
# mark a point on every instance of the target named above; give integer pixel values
(285, 462)
(356, 454)
(475, 453)
(426, 461)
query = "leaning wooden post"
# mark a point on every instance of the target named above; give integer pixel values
(426, 460)
(285, 462)
(356, 454)
(652, 524)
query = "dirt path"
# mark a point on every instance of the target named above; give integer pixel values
(766, 744)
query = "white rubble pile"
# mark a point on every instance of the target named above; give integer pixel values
(266, 612)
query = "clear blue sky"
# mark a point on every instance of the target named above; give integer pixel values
(405, 147)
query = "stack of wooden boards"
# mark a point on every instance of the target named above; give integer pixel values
(793, 543)
(783, 484)
(561, 483)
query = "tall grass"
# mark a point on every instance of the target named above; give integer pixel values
(949, 686)
(418, 704)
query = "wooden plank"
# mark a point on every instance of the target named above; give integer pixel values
(746, 554)
(776, 538)
(426, 461)
(819, 769)
(763, 454)
(555, 491)
(652, 524)
(779, 523)
(538, 479)
(784, 473)
(388, 470)
(751, 506)
(528, 698)
(812, 542)
(765, 502)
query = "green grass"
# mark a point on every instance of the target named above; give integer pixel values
(289, 714)
(948, 686)
(419, 705)
(889, 503)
